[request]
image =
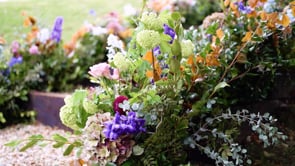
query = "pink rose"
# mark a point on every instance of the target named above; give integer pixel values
(99, 70)
(114, 74)
(104, 69)
(34, 50)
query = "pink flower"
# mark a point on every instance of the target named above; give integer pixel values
(34, 50)
(115, 74)
(15, 46)
(114, 27)
(118, 100)
(99, 70)
(104, 69)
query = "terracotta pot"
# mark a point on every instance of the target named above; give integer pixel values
(47, 106)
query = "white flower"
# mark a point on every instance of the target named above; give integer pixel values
(269, 6)
(125, 105)
(114, 43)
(97, 31)
(290, 15)
(43, 35)
(129, 10)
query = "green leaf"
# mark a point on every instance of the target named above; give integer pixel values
(58, 144)
(68, 150)
(212, 29)
(219, 86)
(176, 16)
(34, 139)
(165, 47)
(28, 145)
(59, 138)
(77, 143)
(165, 38)
(176, 48)
(13, 143)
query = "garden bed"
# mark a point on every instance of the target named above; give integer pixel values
(47, 107)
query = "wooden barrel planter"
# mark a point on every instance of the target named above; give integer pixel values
(47, 107)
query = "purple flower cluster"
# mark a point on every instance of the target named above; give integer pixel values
(157, 51)
(243, 9)
(122, 125)
(15, 60)
(57, 30)
(169, 31)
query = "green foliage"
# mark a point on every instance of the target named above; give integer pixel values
(58, 72)
(58, 140)
(33, 140)
(14, 89)
(166, 147)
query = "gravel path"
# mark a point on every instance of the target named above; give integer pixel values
(37, 155)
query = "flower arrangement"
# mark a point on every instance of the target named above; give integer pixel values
(173, 92)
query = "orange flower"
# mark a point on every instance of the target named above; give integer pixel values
(252, 14)
(32, 34)
(220, 33)
(226, 3)
(263, 15)
(212, 60)
(253, 3)
(272, 19)
(160, 5)
(157, 71)
(234, 8)
(29, 21)
(285, 21)
(263, 1)
(2, 40)
(191, 62)
(259, 31)
(126, 33)
(69, 47)
(247, 37)
(79, 34)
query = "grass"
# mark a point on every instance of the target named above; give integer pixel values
(74, 12)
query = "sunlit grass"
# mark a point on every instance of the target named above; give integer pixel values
(74, 12)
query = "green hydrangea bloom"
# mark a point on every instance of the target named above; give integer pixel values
(68, 117)
(187, 48)
(151, 21)
(90, 107)
(68, 100)
(148, 39)
(121, 62)
(69, 112)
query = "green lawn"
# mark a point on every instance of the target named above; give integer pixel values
(75, 12)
